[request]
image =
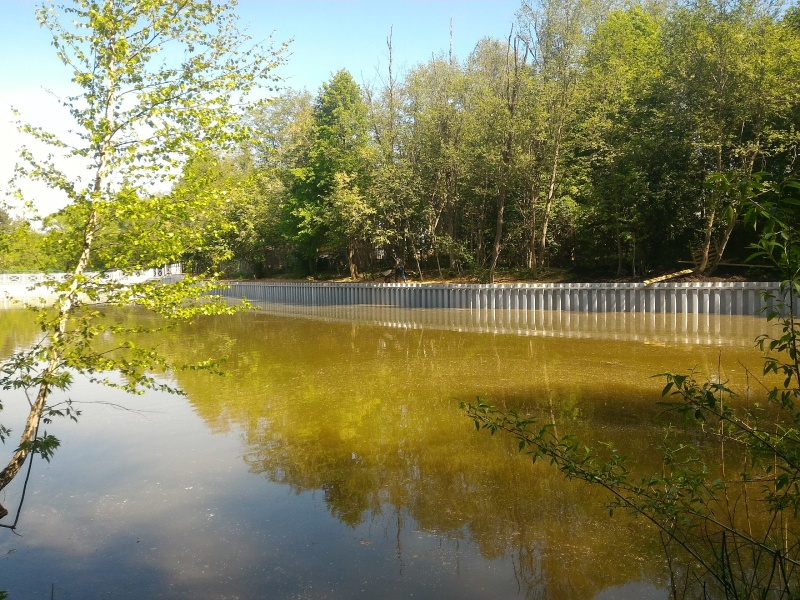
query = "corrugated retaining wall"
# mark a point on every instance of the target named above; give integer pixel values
(740, 298)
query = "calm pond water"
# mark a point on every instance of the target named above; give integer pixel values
(334, 462)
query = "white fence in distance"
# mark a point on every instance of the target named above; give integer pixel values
(29, 286)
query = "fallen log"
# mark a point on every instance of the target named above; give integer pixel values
(669, 276)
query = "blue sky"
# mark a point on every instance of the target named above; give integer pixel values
(327, 35)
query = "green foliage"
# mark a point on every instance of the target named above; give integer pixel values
(23, 249)
(775, 212)
(327, 203)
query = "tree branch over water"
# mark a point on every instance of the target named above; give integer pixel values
(143, 109)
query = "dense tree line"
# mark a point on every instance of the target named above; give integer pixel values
(598, 137)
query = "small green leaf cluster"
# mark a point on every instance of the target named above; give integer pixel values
(44, 445)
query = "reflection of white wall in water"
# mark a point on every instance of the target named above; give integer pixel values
(741, 298)
(648, 328)
(31, 286)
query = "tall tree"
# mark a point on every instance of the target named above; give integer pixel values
(337, 162)
(621, 67)
(431, 160)
(158, 81)
(497, 71)
(729, 70)
(556, 32)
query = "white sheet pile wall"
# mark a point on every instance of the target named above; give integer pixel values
(740, 298)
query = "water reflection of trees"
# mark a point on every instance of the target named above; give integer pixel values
(369, 416)
(18, 330)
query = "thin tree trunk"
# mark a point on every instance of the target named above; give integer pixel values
(532, 257)
(704, 260)
(498, 232)
(726, 236)
(351, 263)
(66, 303)
(551, 192)
(707, 260)
(451, 236)
(512, 93)
(450, 222)
(416, 259)
(436, 254)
